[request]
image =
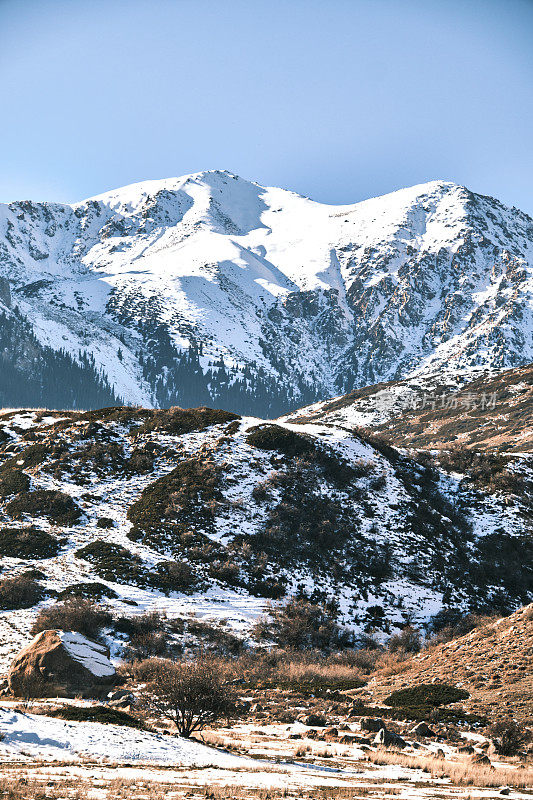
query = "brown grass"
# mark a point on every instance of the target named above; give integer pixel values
(460, 774)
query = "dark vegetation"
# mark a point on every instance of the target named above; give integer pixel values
(36, 375)
(186, 496)
(103, 714)
(113, 562)
(177, 420)
(74, 614)
(22, 591)
(425, 695)
(57, 507)
(490, 472)
(508, 737)
(13, 481)
(28, 542)
(89, 590)
(301, 625)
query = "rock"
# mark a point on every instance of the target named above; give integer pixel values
(466, 750)
(480, 759)
(504, 790)
(120, 694)
(372, 725)
(385, 738)
(331, 733)
(316, 720)
(295, 736)
(60, 662)
(423, 729)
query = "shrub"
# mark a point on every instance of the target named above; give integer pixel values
(174, 576)
(179, 420)
(225, 572)
(218, 639)
(140, 461)
(409, 640)
(190, 694)
(103, 714)
(55, 506)
(451, 623)
(13, 481)
(508, 737)
(105, 522)
(147, 634)
(28, 543)
(181, 496)
(426, 694)
(113, 562)
(274, 437)
(22, 591)
(75, 614)
(89, 590)
(302, 625)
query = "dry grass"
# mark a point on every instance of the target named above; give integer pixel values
(460, 774)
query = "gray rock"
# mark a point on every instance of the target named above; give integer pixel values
(386, 738)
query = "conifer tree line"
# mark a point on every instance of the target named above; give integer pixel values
(33, 375)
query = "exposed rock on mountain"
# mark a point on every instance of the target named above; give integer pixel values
(210, 289)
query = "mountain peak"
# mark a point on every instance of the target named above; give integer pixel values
(298, 300)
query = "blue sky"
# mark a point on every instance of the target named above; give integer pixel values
(338, 100)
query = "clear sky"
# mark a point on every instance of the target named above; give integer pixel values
(338, 99)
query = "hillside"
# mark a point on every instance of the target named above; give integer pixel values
(209, 513)
(494, 663)
(210, 289)
(493, 411)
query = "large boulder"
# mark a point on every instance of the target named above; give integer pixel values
(60, 662)
(387, 738)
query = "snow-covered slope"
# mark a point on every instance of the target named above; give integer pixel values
(208, 514)
(213, 289)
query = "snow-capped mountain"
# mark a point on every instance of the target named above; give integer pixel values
(212, 289)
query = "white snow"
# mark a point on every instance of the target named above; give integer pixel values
(212, 255)
(89, 654)
(32, 736)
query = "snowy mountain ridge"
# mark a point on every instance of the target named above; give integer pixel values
(213, 289)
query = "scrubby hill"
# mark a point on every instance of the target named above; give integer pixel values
(205, 511)
(492, 412)
(494, 663)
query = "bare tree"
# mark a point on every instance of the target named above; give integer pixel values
(191, 694)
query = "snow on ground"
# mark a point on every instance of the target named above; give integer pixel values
(31, 736)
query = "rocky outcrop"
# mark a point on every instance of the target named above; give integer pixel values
(60, 662)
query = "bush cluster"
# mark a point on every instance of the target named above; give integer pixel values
(13, 481)
(113, 562)
(23, 591)
(28, 543)
(426, 695)
(57, 507)
(301, 625)
(74, 614)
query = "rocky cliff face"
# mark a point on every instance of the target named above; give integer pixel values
(212, 289)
